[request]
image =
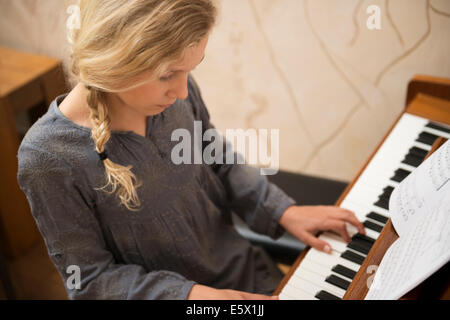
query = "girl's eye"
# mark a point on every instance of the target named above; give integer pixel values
(166, 78)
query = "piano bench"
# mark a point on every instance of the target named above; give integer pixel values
(305, 190)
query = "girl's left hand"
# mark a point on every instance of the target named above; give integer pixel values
(304, 221)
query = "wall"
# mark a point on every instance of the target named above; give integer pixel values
(309, 68)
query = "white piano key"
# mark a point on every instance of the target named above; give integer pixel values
(320, 269)
(437, 132)
(362, 207)
(372, 234)
(376, 181)
(364, 189)
(375, 221)
(365, 194)
(362, 210)
(298, 287)
(406, 167)
(351, 229)
(336, 243)
(313, 285)
(373, 191)
(421, 145)
(291, 292)
(285, 296)
(317, 282)
(329, 260)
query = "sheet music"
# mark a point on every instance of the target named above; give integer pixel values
(420, 213)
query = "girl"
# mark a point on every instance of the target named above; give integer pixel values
(106, 197)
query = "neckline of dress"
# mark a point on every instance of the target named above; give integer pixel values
(55, 107)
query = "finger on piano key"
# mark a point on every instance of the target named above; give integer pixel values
(328, 260)
(371, 233)
(336, 242)
(339, 245)
(351, 229)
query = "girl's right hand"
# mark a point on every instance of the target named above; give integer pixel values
(201, 292)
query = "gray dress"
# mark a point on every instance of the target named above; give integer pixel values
(183, 233)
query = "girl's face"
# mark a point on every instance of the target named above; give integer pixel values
(154, 97)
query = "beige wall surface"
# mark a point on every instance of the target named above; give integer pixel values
(310, 68)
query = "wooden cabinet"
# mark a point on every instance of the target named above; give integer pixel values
(28, 84)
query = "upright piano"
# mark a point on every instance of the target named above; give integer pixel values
(346, 273)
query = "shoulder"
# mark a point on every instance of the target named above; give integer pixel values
(55, 157)
(52, 144)
(51, 135)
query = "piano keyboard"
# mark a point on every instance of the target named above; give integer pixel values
(327, 276)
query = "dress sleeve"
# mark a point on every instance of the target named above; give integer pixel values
(257, 201)
(66, 219)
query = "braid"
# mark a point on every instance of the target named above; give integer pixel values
(118, 176)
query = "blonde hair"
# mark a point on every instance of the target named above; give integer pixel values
(119, 40)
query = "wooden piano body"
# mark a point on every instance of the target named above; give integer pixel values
(427, 97)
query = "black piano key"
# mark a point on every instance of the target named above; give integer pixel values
(365, 238)
(384, 196)
(359, 246)
(323, 295)
(344, 271)
(400, 174)
(382, 203)
(412, 160)
(427, 138)
(338, 281)
(388, 190)
(362, 242)
(438, 127)
(373, 226)
(418, 152)
(353, 257)
(377, 217)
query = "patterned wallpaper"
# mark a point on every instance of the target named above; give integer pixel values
(311, 68)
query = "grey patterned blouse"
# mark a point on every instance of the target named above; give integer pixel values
(183, 233)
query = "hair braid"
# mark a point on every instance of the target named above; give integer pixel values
(117, 175)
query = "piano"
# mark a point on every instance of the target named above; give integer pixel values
(345, 273)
